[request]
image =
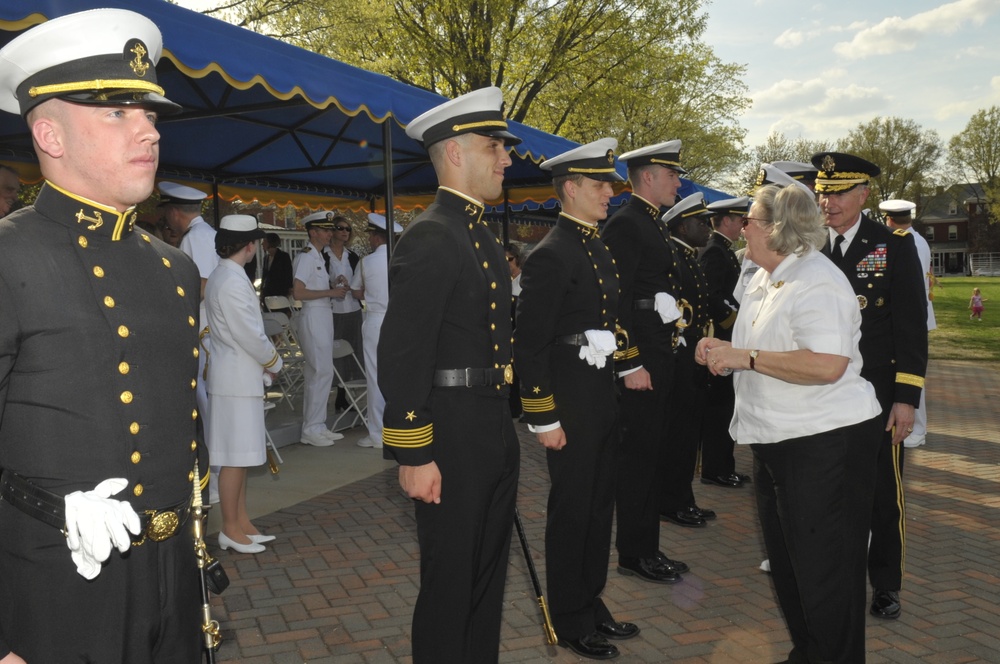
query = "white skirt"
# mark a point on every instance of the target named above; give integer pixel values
(235, 431)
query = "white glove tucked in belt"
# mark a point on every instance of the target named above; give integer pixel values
(601, 343)
(666, 306)
(95, 522)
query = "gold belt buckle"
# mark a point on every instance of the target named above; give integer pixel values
(508, 374)
(162, 526)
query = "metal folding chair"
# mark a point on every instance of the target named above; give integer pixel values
(356, 391)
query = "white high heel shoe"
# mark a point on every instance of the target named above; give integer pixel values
(226, 543)
(261, 538)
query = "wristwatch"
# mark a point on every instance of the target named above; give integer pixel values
(753, 359)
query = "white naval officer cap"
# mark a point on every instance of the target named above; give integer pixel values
(172, 193)
(797, 170)
(477, 112)
(321, 219)
(103, 57)
(897, 208)
(666, 154)
(595, 160)
(686, 208)
(236, 228)
(376, 222)
(730, 206)
(771, 174)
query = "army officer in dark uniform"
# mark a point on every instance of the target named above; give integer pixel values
(98, 355)
(563, 349)
(722, 272)
(885, 273)
(640, 244)
(447, 339)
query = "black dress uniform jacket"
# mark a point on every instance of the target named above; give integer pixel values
(98, 357)
(722, 272)
(449, 308)
(568, 286)
(276, 276)
(640, 243)
(885, 273)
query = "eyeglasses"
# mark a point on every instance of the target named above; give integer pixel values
(510, 259)
(342, 228)
(746, 220)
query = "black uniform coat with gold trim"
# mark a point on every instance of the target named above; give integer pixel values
(722, 272)
(568, 285)
(98, 353)
(646, 264)
(885, 273)
(694, 289)
(449, 308)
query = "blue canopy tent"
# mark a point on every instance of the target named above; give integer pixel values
(267, 120)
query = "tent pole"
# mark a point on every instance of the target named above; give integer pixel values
(387, 166)
(215, 201)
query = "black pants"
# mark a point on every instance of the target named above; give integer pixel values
(143, 608)
(814, 495)
(687, 401)
(465, 540)
(716, 443)
(887, 552)
(644, 425)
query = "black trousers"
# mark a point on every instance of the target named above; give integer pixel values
(687, 401)
(143, 608)
(716, 443)
(887, 551)
(465, 540)
(644, 426)
(582, 497)
(814, 495)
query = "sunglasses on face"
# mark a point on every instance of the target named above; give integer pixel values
(342, 228)
(746, 220)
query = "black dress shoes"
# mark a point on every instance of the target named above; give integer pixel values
(689, 517)
(746, 479)
(672, 565)
(885, 604)
(592, 646)
(729, 481)
(705, 514)
(647, 569)
(619, 631)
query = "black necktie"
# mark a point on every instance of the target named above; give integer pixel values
(326, 261)
(838, 254)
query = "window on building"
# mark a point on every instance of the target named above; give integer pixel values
(953, 208)
(929, 233)
(952, 232)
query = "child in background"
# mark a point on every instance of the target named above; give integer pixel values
(976, 305)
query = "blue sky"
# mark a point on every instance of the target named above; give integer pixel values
(817, 69)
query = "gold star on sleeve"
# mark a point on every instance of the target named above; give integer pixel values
(410, 416)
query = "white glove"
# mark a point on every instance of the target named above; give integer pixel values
(95, 522)
(666, 306)
(601, 343)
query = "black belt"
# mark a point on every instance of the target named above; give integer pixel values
(573, 340)
(470, 377)
(50, 509)
(644, 304)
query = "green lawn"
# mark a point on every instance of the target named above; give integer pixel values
(957, 337)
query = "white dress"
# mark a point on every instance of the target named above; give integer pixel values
(240, 352)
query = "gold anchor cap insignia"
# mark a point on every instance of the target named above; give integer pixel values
(140, 64)
(611, 156)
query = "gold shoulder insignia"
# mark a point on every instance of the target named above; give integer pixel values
(307, 249)
(900, 232)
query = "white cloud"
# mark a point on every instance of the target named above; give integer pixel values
(788, 93)
(966, 107)
(895, 34)
(790, 39)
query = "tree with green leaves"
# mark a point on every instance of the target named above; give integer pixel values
(907, 154)
(777, 147)
(974, 152)
(579, 68)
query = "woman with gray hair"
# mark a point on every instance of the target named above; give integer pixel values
(812, 422)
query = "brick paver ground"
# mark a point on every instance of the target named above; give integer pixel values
(340, 582)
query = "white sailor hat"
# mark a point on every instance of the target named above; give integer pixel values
(686, 208)
(477, 112)
(771, 174)
(172, 193)
(897, 208)
(729, 206)
(797, 170)
(321, 219)
(666, 154)
(234, 228)
(102, 56)
(594, 160)
(376, 222)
